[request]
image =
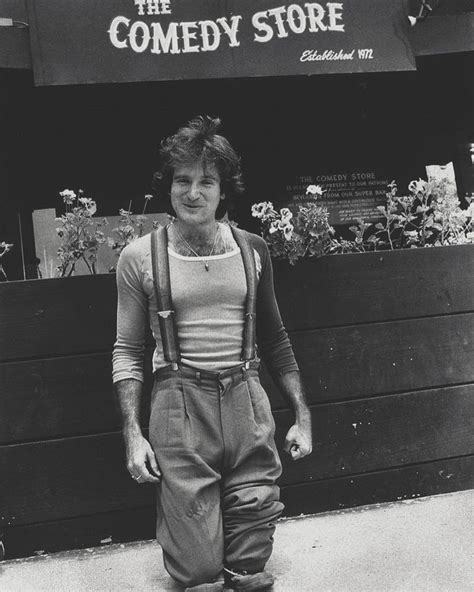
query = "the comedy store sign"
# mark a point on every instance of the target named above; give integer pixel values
(134, 40)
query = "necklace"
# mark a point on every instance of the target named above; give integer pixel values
(183, 240)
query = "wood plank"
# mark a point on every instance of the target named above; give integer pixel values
(443, 476)
(78, 533)
(359, 361)
(66, 478)
(401, 483)
(72, 396)
(372, 287)
(382, 432)
(58, 317)
(86, 475)
(61, 397)
(38, 318)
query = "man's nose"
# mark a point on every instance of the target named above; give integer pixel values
(194, 191)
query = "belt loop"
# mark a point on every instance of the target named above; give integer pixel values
(198, 376)
(174, 366)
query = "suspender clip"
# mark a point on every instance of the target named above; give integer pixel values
(164, 314)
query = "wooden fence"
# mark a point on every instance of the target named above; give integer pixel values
(385, 345)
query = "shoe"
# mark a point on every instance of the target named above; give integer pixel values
(210, 587)
(245, 582)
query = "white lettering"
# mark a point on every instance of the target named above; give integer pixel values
(161, 42)
(137, 44)
(165, 7)
(315, 15)
(232, 30)
(153, 7)
(209, 28)
(141, 6)
(335, 16)
(277, 12)
(113, 31)
(262, 26)
(300, 16)
(188, 37)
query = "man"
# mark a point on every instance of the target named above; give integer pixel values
(207, 290)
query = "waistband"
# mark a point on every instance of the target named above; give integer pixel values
(200, 374)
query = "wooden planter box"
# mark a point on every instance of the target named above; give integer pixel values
(385, 345)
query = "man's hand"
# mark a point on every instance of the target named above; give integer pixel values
(141, 460)
(298, 441)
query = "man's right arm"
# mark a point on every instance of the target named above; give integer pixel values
(128, 352)
(141, 461)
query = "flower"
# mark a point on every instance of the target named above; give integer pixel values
(288, 231)
(148, 196)
(286, 214)
(5, 246)
(417, 186)
(263, 210)
(79, 236)
(68, 196)
(305, 231)
(274, 226)
(89, 204)
(314, 190)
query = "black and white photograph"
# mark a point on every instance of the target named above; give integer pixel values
(236, 296)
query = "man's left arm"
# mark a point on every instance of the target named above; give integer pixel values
(276, 350)
(298, 441)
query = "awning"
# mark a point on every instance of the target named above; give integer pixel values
(14, 39)
(146, 40)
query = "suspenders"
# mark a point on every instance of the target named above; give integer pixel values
(161, 282)
(162, 285)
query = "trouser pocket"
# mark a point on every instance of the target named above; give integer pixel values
(168, 415)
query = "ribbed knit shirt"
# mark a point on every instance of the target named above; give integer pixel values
(209, 307)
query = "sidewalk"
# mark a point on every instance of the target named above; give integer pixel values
(418, 545)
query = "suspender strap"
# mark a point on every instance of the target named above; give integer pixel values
(249, 337)
(162, 284)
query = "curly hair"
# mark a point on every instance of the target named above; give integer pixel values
(198, 141)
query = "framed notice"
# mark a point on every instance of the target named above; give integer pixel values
(347, 195)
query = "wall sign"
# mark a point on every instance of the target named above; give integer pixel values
(347, 195)
(142, 40)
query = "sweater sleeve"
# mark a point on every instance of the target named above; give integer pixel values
(132, 311)
(272, 338)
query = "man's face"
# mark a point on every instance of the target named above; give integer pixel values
(196, 193)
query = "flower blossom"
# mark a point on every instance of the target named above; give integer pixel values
(286, 214)
(314, 190)
(417, 186)
(262, 210)
(274, 226)
(288, 231)
(89, 204)
(68, 196)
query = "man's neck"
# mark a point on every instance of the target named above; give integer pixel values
(197, 235)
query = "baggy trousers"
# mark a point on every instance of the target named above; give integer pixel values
(217, 502)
